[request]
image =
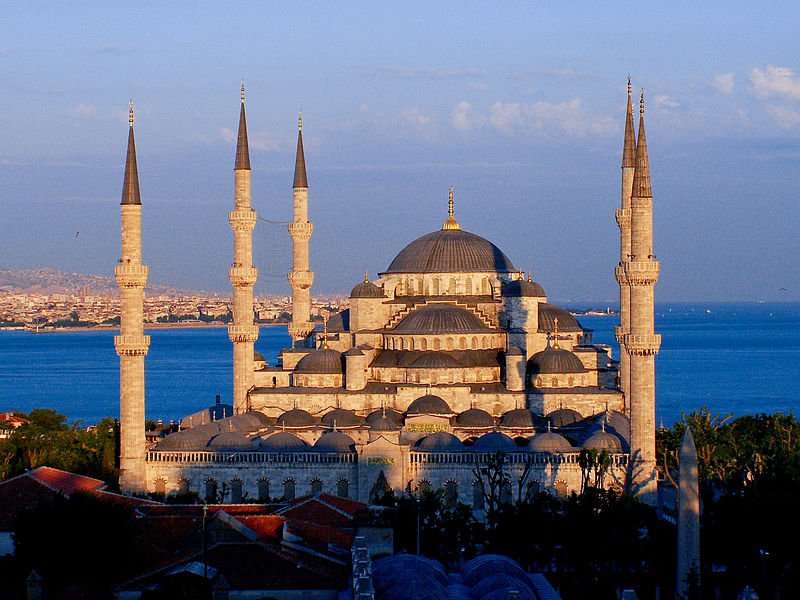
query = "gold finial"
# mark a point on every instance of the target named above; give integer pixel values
(629, 85)
(300, 122)
(555, 336)
(641, 104)
(529, 277)
(130, 115)
(366, 276)
(242, 90)
(325, 332)
(450, 223)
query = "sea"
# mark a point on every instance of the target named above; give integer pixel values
(732, 358)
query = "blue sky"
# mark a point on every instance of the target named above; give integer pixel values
(520, 108)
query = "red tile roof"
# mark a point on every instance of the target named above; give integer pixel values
(322, 509)
(64, 481)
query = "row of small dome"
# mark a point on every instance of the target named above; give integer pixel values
(512, 289)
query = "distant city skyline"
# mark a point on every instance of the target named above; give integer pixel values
(519, 107)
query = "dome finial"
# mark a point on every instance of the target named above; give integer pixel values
(555, 335)
(366, 276)
(629, 85)
(325, 333)
(130, 115)
(451, 223)
(641, 104)
(242, 90)
(300, 121)
(530, 280)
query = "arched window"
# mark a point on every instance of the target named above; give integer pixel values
(274, 382)
(316, 486)
(419, 286)
(411, 343)
(561, 488)
(451, 287)
(462, 343)
(160, 486)
(474, 343)
(435, 287)
(571, 382)
(449, 343)
(484, 342)
(484, 286)
(505, 493)
(468, 286)
(288, 489)
(211, 491)
(554, 381)
(183, 486)
(424, 485)
(400, 343)
(423, 344)
(451, 491)
(263, 490)
(436, 344)
(477, 496)
(236, 491)
(343, 488)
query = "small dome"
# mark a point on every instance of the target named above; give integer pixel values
(517, 418)
(515, 351)
(340, 322)
(282, 441)
(474, 417)
(441, 318)
(385, 413)
(523, 289)
(441, 441)
(354, 352)
(365, 289)
(335, 441)
(603, 440)
(429, 405)
(340, 417)
(436, 360)
(186, 439)
(296, 417)
(495, 442)
(547, 318)
(386, 423)
(554, 361)
(563, 417)
(244, 422)
(323, 361)
(257, 356)
(230, 440)
(549, 442)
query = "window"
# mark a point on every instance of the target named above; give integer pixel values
(343, 488)
(462, 343)
(263, 490)
(288, 489)
(316, 486)
(183, 486)
(477, 496)
(451, 491)
(424, 485)
(451, 288)
(423, 344)
(160, 486)
(561, 488)
(211, 491)
(468, 286)
(436, 344)
(505, 493)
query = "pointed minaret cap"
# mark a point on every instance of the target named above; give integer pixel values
(242, 147)
(641, 176)
(450, 223)
(130, 185)
(300, 179)
(629, 145)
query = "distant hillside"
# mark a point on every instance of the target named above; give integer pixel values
(50, 281)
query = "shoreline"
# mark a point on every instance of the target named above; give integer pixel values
(211, 325)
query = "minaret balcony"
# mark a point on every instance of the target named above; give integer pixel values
(242, 220)
(131, 276)
(243, 276)
(621, 275)
(619, 334)
(131, 345)
(301, 231)
(243, 333)
(299, 331)
(300, 279)
(623, 218)
(642, 344)
(642, 272)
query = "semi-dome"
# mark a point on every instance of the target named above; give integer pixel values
(517, 418)
(523, 289)
(548, 313)
(474, 417)
(450, 251)
(603, 440)
(296, 417)
(340, 417)
(340, 322)
(366, 289)
(429, 405)
(554, 361)
(549, 442)
(495, 442)
(283, 441)
(564, 417)
(335, 441)
(322, 361)
(230, 440)
(435, 360)
(441, 441)
(441, 318)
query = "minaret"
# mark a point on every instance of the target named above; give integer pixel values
(642, 343)
(242, 331)
(131, 343)
(623, 217)
(300, 278)
(688, 517)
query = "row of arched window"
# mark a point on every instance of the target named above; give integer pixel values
(439, 285)
(462, 343)
(234, 492)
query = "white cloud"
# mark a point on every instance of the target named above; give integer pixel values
(784, 117)
(228, 135)
(664, 101)
(723, 84)
(83, 111)
(416, 116)
(775, 81)
(568, 117)
(261, 140)
(465, 118)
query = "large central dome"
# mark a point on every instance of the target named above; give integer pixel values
(451, 251)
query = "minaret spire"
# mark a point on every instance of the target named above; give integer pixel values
(243, 275)
(131, 344)
(629, 144)
(641, 178)
(300, 179)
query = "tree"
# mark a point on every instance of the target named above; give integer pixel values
(493, 480)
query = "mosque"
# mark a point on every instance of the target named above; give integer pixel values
(448, 358)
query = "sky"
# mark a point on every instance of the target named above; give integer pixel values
(520, 107)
